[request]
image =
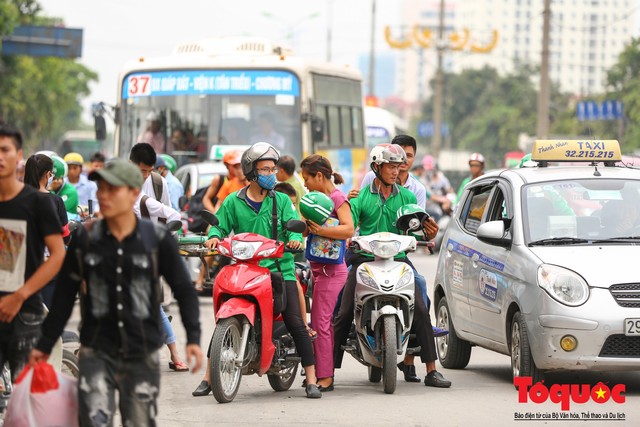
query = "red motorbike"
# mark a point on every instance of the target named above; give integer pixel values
(250, 336)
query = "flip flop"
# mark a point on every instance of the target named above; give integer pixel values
(178, 367)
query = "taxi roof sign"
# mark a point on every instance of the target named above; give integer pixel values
(561, 150)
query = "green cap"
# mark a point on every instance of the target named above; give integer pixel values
(120, 173)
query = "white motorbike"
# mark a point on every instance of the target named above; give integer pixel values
(384, 305)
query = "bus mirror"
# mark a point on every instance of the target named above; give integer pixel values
(100, 127)
(317, 129)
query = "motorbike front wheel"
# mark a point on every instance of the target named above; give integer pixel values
(225, 374)
(389, 355)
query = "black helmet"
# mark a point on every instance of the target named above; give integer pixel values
(258, 151)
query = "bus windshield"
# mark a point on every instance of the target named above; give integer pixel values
(189, 112)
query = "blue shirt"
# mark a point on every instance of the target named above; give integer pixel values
(176, 190)
(86, 191)
(412, 185)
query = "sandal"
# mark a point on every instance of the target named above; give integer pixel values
(178, 366)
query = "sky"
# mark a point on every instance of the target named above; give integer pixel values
(117, 31)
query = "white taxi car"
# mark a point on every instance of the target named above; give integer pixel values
(539, 263)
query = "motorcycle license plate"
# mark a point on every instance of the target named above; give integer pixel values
(632, 326)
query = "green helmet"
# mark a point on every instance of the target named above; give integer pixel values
(409, 218)
(60, 167)
(525, 161)
(316, 206)
(170, 162)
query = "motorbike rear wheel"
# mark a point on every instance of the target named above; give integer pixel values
(389, 355)
(70, 364)
(225, 374)
(285, 381)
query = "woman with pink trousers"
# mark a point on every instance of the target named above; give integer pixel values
(328, 279)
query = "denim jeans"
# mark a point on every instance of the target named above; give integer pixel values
(169, 335)
(137, 381)
(18, 338)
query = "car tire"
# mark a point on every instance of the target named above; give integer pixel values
(453, 352)
(522, 363)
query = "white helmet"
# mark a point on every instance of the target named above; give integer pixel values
(476, 157)
(258, 151)
(387, 153)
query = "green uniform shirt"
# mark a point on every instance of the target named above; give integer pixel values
(375, 216)
(461, 189)
(69, 196)
(238, 216)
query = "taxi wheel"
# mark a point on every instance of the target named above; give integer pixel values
(453, 352)
(522, 363)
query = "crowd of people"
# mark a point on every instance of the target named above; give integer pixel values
(119, 263)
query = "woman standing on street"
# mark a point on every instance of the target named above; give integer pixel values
(328, 278)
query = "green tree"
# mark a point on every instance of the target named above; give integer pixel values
(41, 96)
(623, 81)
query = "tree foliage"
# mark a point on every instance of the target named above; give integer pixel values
(40, 95)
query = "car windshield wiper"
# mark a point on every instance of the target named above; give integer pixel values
(558, 241)
(616, 239)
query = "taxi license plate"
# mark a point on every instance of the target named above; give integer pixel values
(632, 326)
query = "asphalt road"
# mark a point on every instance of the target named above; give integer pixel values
(481, 395)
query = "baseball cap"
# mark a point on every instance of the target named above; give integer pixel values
(119, 172)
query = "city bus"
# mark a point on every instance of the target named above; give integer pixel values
(212, 95)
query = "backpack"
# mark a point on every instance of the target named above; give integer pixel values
(156, 180)
(197, 224)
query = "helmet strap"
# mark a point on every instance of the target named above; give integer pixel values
(377, 173)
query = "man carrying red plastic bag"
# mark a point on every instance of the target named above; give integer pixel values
(42, 397)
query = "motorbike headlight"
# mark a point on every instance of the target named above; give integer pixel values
(405, 279)
(367, 280)
(244, 250)
(385, 249)
(564, 285)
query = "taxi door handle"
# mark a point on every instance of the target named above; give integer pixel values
(474, 260)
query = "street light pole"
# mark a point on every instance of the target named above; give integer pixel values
(436, 142)
(329, 25)
(372, 52)
(542, 128)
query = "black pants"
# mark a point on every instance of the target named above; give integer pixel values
(342, 323)
(295, 325)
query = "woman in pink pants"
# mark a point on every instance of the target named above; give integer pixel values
(328, 279)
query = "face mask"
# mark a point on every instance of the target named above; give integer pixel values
(50, 180)
(267, 181)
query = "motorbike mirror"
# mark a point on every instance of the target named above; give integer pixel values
(209, 217)
(73, 226)
(296, 226)
(182, 202)
(174, 225)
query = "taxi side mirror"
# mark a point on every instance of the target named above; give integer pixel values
(494, 233)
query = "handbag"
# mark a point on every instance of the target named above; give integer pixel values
(323, 249)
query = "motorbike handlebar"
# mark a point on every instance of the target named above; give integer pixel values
(294, 251)
(191, 240)
(429, 244)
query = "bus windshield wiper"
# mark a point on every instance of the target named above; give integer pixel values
(558, 241)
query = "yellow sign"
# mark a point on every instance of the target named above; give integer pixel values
(559, 150)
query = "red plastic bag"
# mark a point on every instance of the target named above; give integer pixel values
(43, 397)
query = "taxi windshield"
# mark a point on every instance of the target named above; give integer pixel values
(578, 210)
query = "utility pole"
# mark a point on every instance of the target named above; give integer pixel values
(372, 51)
(542, 129)
(329, 25)
(436, 142)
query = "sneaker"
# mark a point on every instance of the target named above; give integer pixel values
(409, 372)
(439, 332)
(435, 379)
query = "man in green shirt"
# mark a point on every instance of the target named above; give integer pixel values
(250, 210)
(65, 190)
(374, 210)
